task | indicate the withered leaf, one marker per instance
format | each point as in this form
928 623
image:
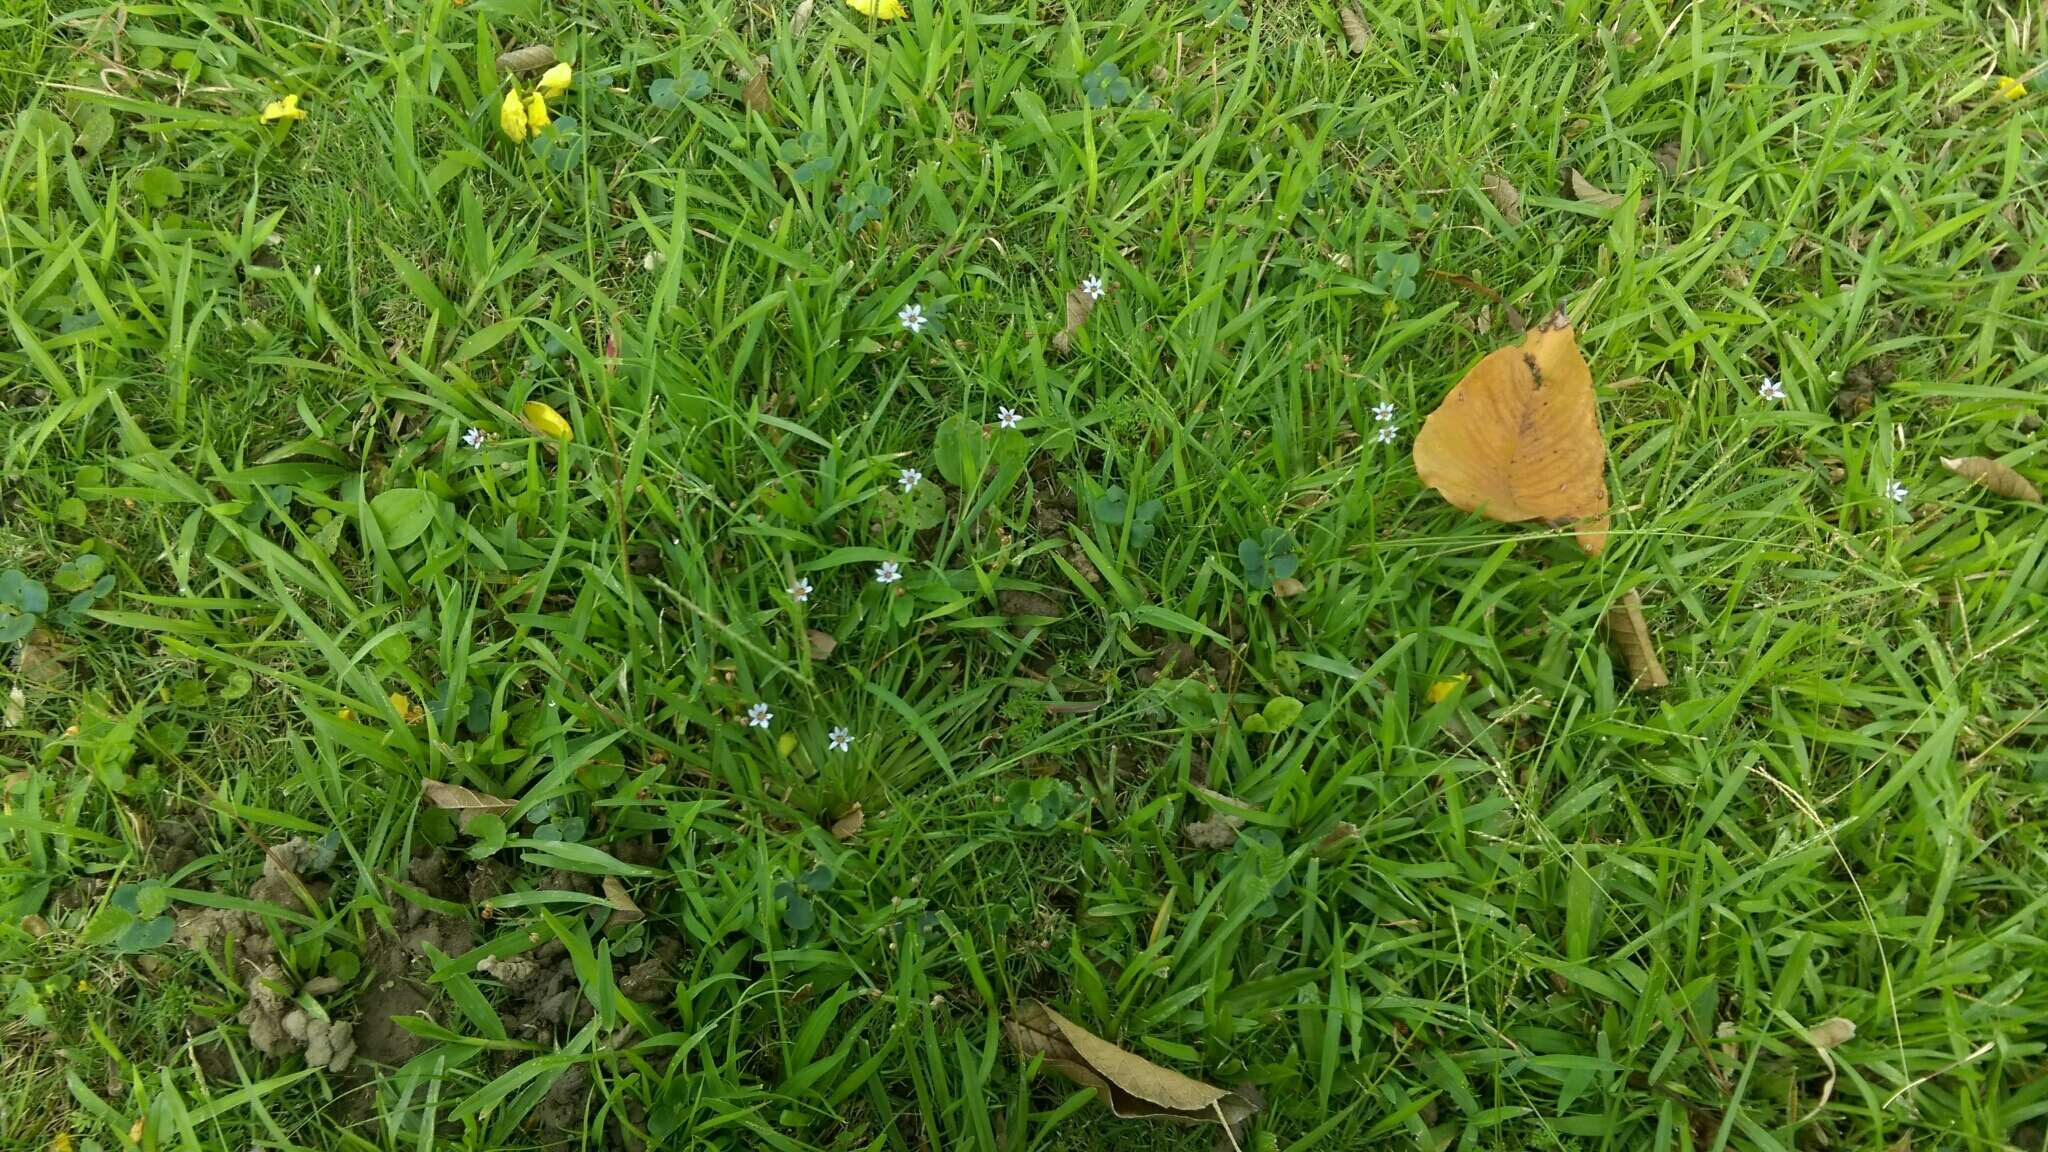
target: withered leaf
1356 34
1287 587
532 58
1631 634
1080 306
1994 477
1505 196
823 644
800 19
849 824
1129 1084
1219 829
624 911
1336 838
755 93
466 803
1587 192
1519 438
1825 1037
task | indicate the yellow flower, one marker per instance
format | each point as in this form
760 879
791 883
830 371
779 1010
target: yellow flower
512 116
546 421
2011 88
1442 689
62 1143
536 113
555 81
347 715
408 712
285 109
879 9
82 986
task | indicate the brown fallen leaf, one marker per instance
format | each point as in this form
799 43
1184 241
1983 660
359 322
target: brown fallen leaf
1287 588
1336 838
1218 830
1587 192
1519 438
1080 306
1994 477
823 644
1631 634
755 94
1129 1084
465 803
532 58
849 824
624 911
1356 34
1825 1037
1505 196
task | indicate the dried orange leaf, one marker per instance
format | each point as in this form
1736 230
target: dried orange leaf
1631 634
465 803
1519 439
1505 196
849 824
1129 1084
1990 475
532 58
1355 32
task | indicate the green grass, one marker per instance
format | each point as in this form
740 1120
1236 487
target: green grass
1569 915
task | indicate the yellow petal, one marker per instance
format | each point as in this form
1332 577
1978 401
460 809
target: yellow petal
285 109
555 81
879 9
546 421
406 709
536 113
2011 88
1442 689
512 116
347 715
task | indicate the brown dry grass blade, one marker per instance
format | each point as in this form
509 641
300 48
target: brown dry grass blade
1631 634
1505 196
466 803
1990 475
1356 34
532 58
1129 1084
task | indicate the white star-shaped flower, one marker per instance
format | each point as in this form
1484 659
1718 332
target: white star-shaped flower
912 318
888 573
842 740
800 590
1008 418
1387 434
1092 287
474 438
1771 389
1383 412
758 716
908 478
1895 491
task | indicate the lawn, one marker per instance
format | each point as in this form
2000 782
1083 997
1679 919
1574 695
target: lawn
687 629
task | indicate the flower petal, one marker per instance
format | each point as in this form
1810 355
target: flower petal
555 81
546 421
285 109
512 117
536 114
